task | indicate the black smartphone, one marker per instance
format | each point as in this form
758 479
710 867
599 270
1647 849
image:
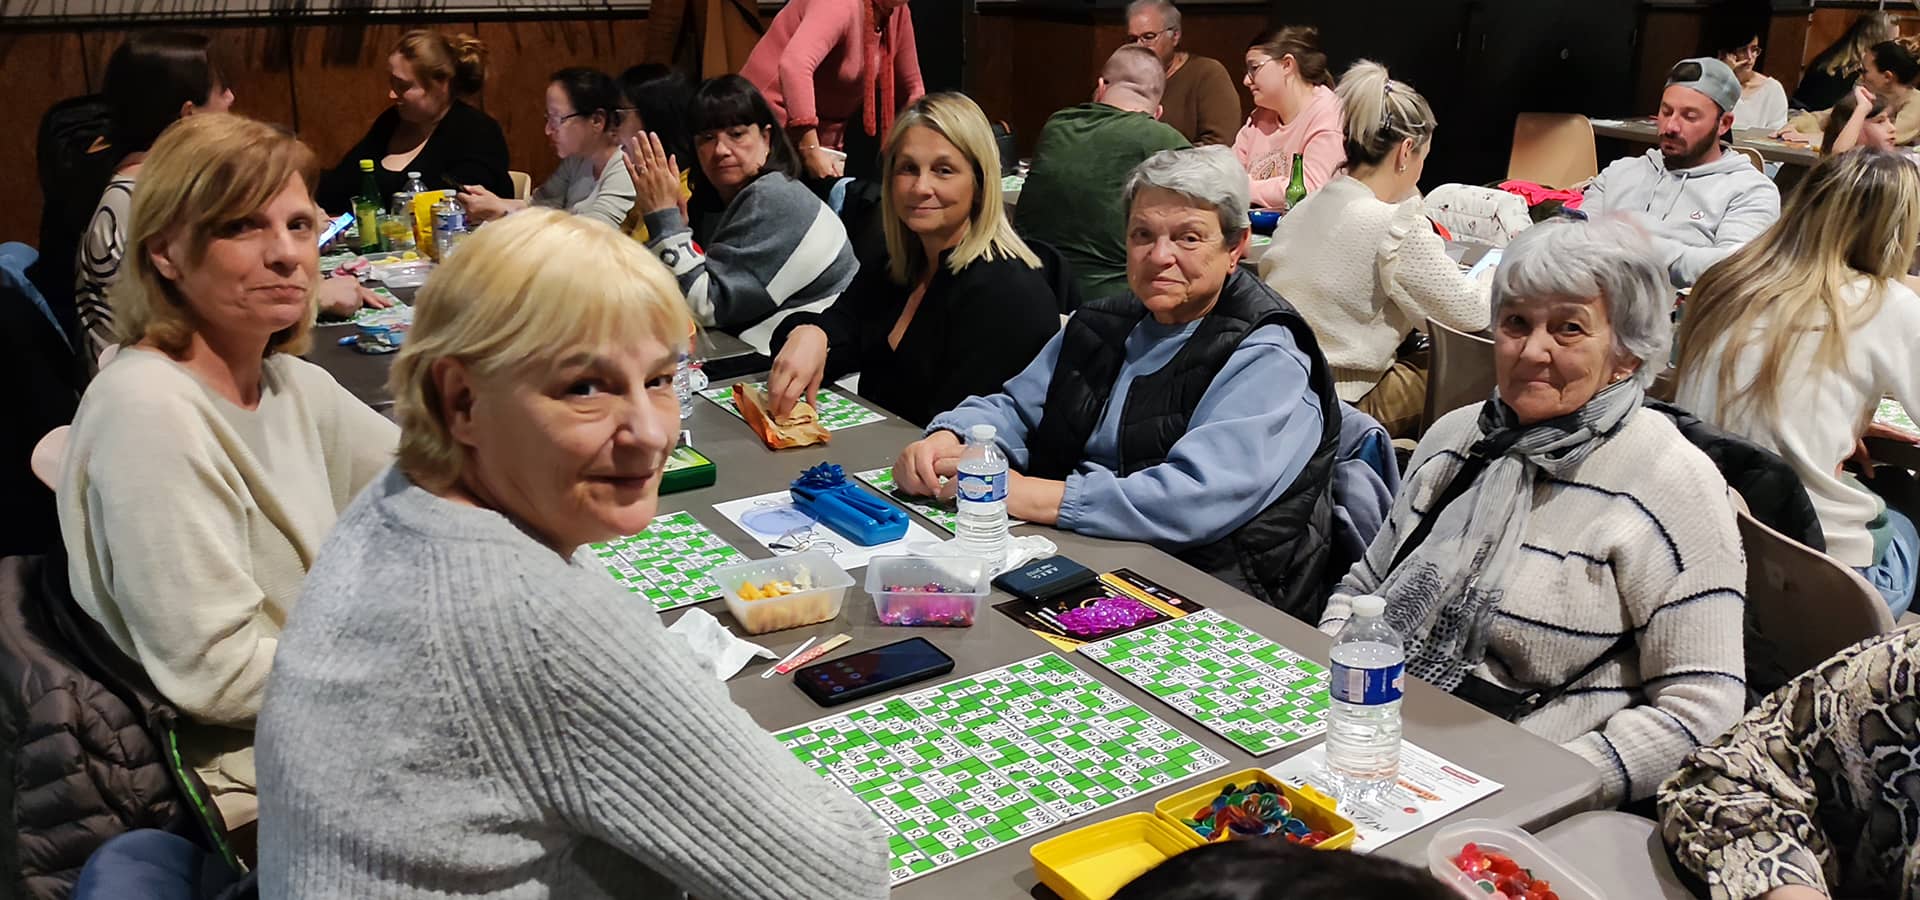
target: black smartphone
881 669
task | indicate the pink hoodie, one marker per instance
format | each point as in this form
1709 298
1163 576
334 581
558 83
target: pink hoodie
1266 147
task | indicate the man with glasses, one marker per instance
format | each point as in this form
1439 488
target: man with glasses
1200 101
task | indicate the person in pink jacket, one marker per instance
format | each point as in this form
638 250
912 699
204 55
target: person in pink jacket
1294 111
827 65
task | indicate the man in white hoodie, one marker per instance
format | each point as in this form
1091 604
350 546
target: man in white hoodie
1699 201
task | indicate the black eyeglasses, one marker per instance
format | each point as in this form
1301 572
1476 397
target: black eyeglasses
554 121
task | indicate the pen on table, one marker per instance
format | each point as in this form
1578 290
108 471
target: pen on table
789 657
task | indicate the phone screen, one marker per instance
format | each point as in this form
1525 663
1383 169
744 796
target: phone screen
1486 262
876 670
334 228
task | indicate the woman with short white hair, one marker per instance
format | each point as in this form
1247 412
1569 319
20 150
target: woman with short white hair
515 723
1193 411
1558 555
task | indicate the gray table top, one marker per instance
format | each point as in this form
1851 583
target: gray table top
1771 149
1620 853
1544 783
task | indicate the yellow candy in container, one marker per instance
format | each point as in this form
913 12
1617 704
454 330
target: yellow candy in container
783 592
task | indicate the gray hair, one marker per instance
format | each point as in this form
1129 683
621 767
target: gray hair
1608 257
1169 14
1208 176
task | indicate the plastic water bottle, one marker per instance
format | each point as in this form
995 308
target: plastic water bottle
982 497
1363 724
403 210
683 383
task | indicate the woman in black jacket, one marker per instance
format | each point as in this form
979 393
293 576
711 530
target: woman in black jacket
429 129
963 304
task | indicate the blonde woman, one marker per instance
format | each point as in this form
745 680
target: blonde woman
208 462
1361 262
1792 341
520 726
962 305
1834 70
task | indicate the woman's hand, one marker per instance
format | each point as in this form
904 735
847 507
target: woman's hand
483 205
656 176
1034 500
343 296
1792 136
798 370
1863 101
925 462
822 163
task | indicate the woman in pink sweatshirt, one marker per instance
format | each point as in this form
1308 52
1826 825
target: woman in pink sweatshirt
826 65
1294 111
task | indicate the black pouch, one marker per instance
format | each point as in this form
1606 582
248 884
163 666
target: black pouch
1515 705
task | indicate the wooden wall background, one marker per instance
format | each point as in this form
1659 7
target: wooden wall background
326 81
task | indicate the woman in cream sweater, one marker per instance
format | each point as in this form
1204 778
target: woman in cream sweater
207 462
1360 261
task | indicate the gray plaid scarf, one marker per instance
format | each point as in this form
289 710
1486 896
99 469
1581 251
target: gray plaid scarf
1443 595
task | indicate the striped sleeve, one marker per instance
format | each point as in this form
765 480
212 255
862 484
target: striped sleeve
1688 606
776 245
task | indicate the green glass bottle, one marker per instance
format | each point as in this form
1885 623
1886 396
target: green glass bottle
1297 185
366 209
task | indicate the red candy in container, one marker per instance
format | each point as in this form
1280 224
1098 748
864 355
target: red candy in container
1485 860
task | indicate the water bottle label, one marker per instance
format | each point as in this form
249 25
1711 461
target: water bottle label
1367 687
983 488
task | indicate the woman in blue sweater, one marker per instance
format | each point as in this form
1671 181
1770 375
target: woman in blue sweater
1210 433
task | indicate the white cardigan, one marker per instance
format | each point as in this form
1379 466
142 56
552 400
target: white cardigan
1364 272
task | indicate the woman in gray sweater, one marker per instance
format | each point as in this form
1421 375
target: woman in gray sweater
464 705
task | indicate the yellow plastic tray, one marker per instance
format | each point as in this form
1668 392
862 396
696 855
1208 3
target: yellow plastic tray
1309 805
1094 862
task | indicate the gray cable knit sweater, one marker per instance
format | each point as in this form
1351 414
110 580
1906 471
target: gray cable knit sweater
456 711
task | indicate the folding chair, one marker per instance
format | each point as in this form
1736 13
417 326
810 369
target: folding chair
1553 149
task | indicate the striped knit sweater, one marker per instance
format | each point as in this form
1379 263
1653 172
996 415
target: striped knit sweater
455 710
1639 538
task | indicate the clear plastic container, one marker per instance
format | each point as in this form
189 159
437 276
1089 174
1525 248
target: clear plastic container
964 582
1493 837
818 603
403 275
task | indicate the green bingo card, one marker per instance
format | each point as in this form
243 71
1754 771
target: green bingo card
963 767
1241 686
669 563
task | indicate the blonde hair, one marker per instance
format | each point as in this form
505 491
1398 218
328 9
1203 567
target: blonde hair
204 172
1849 53
1857 213
1380 113
989 231
457 60
520 296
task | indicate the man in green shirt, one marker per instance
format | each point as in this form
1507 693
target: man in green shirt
1072 199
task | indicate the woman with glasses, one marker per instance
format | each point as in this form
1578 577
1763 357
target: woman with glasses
583 126
1294 114
1734 35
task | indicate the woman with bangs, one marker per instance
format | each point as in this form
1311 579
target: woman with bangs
754 244
208 462
534 723
911 329
1793 341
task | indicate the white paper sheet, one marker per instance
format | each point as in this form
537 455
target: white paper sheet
1430 789
778 525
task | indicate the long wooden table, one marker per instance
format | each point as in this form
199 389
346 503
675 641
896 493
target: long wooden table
1544 783
1644 131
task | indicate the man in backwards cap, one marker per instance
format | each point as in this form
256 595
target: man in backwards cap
1698 200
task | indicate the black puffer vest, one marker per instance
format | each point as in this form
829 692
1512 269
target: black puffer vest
1280 555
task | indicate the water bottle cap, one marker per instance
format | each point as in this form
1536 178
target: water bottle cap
982 433
413 174
366 165
1369 606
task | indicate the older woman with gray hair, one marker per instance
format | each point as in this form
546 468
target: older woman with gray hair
1558 555
1193 412
521 725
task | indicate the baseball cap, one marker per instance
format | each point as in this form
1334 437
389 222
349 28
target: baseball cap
1709 76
